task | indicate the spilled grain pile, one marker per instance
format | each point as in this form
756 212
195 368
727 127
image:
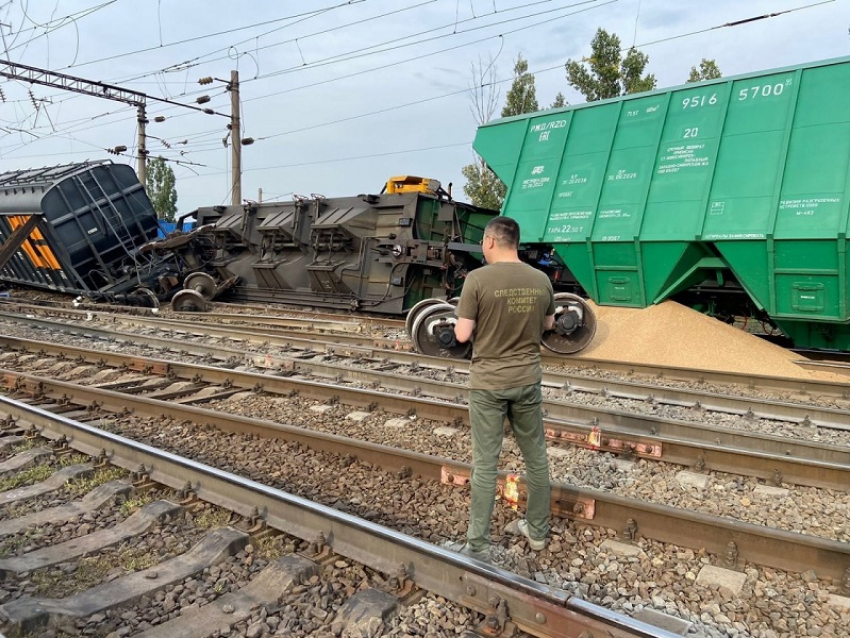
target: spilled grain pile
671 334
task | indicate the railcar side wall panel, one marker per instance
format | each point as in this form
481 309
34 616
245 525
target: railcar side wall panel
641 194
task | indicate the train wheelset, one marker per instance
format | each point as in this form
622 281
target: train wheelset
430 326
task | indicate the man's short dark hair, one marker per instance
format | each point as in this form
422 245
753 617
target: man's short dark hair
504 230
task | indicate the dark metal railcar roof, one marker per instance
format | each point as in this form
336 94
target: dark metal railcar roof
44 176
22 191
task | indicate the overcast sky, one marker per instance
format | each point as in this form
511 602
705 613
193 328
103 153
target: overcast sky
338 95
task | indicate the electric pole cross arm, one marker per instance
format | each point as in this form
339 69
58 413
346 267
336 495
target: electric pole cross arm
35 75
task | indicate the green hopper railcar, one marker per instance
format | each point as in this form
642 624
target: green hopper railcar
729 195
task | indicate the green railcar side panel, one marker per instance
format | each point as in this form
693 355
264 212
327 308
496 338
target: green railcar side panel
617 272
578 258
501 148
833 336
619 287
536 173
807 279
748 257
581 175
811 218
646 190
670 261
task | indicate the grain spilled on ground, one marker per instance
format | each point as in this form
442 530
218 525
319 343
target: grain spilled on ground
671 334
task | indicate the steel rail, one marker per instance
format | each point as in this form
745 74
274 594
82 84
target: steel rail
301 310
754 543
809 415
828 366
534 608
803 387
295 323
774 458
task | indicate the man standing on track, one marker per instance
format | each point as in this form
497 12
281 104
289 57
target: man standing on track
506 305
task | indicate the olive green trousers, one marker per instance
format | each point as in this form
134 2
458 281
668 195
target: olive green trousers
487 412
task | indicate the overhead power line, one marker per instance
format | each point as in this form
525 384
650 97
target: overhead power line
205 36
728 24
35 75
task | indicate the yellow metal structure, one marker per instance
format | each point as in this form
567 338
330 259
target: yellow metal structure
35 246
413 184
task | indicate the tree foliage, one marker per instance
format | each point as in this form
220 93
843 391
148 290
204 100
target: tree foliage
522 96
482 186
608 74
560 101
161 189
708 70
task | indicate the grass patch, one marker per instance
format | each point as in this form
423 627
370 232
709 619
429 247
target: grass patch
34 474
90 572
26 445
16 510
133 504
73 459
12 545
104 475
272 547
15 542
212 518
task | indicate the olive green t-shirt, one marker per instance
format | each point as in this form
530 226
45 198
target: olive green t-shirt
509 302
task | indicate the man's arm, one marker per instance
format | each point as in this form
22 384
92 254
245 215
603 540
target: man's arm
548 323
463 329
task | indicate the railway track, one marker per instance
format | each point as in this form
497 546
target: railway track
405 468
621 431
409 567
646 524
208 385
391 340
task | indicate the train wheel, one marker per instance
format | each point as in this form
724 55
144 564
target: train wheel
433 333
145 297
202 283
411 315
188 301
575 325
454 301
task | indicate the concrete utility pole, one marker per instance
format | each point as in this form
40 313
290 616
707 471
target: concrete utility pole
235 139
142 168
235 134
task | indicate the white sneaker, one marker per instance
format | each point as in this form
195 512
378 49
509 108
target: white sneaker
533 543
465 550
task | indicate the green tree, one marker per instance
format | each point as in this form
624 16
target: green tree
161 189
522 96
482 186
560 101
708 70
609 74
